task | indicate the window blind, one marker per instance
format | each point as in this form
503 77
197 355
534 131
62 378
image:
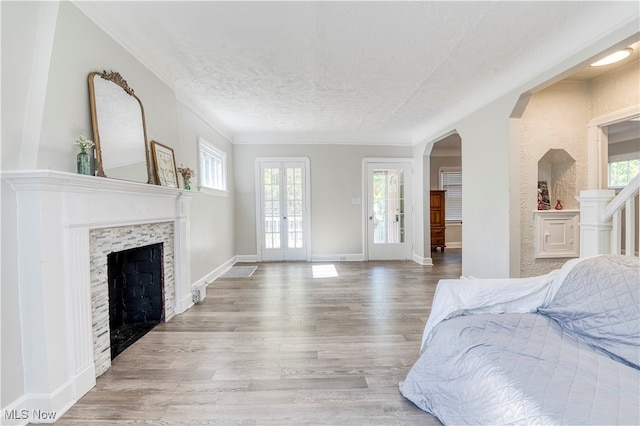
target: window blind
451 182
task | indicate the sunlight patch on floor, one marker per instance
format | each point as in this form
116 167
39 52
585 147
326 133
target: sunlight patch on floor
324 271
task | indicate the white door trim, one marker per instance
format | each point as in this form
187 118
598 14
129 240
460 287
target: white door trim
598 145
307 202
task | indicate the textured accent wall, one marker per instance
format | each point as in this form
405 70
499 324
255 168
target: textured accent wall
109 240
555 119
616 90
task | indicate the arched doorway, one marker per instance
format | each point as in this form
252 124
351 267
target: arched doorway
443 179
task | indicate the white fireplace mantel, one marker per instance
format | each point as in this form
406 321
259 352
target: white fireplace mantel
55 212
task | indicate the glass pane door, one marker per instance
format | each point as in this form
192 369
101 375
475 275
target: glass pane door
388 220
388 206
294 218
271 208
283 210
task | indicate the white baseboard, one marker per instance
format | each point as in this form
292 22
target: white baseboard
49 407
85 381
356 257
353 257
187 301
17 413
455 245
203 282
424 261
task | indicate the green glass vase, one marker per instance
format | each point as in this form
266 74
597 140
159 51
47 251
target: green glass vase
83 162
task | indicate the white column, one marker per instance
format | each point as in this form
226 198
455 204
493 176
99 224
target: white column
597 152
45 303
79 317
595 235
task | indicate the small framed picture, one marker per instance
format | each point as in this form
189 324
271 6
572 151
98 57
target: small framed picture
544 203
165 163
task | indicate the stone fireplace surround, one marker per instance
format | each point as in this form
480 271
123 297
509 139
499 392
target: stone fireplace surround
58 213
104 241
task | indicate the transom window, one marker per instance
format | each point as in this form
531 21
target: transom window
451 182
213 167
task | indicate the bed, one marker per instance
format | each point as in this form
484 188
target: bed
563 348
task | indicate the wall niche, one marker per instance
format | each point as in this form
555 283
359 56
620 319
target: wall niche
558 169
557 233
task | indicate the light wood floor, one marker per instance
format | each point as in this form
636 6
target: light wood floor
279 348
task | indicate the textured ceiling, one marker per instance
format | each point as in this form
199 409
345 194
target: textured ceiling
336 72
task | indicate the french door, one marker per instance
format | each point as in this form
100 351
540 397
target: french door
283 210
389 210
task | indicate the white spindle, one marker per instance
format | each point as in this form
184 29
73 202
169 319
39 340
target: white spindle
616 232
630 227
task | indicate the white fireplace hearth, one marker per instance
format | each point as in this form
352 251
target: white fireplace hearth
66 224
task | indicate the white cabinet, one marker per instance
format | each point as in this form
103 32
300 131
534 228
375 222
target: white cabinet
557 233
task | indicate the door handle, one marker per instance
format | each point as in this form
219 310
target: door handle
370 217
397 218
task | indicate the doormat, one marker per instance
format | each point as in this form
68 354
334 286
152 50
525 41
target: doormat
240 272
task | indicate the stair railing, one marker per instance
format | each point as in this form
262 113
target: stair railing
609 222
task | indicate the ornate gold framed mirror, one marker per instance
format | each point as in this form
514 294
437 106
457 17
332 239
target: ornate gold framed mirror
119 130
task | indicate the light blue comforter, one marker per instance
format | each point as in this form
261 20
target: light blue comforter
575 361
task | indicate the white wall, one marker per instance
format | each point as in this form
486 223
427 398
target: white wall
48 50
421 221
486 190
27 37
66 114
336 178
25 57
212 217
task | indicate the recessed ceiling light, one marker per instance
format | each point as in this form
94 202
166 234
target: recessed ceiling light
613 58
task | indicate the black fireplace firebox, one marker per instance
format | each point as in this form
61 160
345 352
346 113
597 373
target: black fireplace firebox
135 294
